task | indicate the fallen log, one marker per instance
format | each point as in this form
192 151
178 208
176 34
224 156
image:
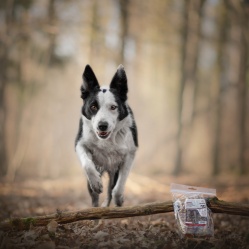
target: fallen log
216 205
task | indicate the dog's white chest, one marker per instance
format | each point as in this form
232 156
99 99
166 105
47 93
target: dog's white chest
108 157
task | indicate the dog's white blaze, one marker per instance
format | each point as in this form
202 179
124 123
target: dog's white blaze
105 114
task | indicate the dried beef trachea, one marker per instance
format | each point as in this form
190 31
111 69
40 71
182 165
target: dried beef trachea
193 217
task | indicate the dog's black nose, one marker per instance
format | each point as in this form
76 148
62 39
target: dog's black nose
103 126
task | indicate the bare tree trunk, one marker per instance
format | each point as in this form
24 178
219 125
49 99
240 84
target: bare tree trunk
3 152
221 82
124 4
52 31
4 61
195 48
184 31
19 148
93 31
243 87
191 32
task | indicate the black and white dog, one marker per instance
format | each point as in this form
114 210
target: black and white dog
107 137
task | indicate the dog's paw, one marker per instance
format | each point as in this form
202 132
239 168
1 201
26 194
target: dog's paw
96 185
94 179
118 199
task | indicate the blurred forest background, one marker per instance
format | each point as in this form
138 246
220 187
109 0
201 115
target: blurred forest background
187 66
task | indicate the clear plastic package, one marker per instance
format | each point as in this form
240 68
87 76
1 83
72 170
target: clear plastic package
193 217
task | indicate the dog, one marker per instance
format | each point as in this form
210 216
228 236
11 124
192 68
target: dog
107 137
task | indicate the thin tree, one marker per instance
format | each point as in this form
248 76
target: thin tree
4 61
184 37
195 48
243 84
191 33
93 30
221 82
3 152
123 5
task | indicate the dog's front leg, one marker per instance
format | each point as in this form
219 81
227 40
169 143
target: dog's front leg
124 171
93 176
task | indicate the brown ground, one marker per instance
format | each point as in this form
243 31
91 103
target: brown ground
36 197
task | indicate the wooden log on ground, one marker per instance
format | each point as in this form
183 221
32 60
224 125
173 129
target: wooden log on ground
219 206
214 204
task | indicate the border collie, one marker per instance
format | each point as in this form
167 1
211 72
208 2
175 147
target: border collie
107 137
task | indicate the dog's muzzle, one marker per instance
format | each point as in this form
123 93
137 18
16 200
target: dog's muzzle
102 130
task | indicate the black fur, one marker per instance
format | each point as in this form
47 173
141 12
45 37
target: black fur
119 88
122 108
80 132
133 129
90 82
91 100
89 90
119 84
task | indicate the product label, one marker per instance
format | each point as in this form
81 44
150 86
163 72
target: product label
196 212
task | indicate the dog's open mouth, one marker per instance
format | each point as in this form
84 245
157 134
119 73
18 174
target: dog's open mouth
103 134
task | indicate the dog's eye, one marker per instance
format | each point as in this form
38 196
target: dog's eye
113 107
93 107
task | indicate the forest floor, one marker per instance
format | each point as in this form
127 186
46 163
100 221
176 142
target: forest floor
38 197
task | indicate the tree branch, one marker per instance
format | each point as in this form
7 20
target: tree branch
214 204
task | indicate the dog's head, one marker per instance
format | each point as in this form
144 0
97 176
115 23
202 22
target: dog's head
104 106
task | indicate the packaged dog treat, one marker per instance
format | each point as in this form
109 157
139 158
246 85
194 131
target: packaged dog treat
193 217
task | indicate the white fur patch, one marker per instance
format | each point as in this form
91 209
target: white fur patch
105 114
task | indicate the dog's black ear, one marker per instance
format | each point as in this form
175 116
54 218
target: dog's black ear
90 82
119 83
